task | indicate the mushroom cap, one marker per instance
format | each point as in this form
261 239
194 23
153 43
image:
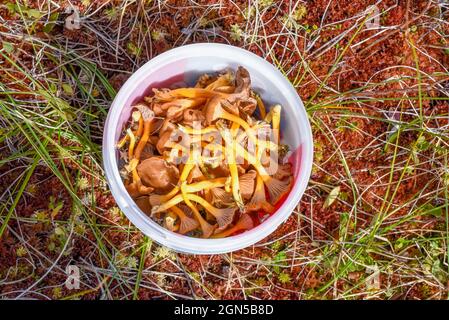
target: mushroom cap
231 107
242 85
192 116
163 139
204 80
147 152
144 204
284 170
175 113
247 182
167 125
213 109
145 111
158 173
194 174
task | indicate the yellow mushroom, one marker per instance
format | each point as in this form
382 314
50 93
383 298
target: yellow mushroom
223 216
276 188
156 199
132 143
136 116
205 185
148 116
192 93
215 111
230 158
223 80
198 131
276 120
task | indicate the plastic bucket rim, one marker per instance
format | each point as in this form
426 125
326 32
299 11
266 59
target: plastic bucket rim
183 243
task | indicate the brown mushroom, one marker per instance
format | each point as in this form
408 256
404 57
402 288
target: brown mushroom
259 199
220 198
242 94
167 125
158 173
144 204
244 223
177 107
194 117
284 170
247 182
224 216
184 214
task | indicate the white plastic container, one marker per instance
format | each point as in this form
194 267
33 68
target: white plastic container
185 64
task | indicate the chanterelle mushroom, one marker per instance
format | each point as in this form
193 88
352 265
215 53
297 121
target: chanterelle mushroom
158 173
192 117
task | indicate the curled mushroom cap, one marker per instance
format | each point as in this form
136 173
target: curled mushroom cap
242 85
158 173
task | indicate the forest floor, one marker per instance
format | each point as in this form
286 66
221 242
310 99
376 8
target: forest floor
374 220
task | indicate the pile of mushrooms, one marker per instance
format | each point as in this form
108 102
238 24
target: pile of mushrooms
193 159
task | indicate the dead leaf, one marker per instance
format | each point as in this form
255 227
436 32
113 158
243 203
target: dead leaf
333 195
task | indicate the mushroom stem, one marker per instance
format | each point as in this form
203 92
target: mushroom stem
276 122
234 128
143 141
137 133
249 131
192 93
187 224
244 223
261 107
224 216
223 80
206 227
230 157
132 143
276 188
194 131
259 200
204 185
